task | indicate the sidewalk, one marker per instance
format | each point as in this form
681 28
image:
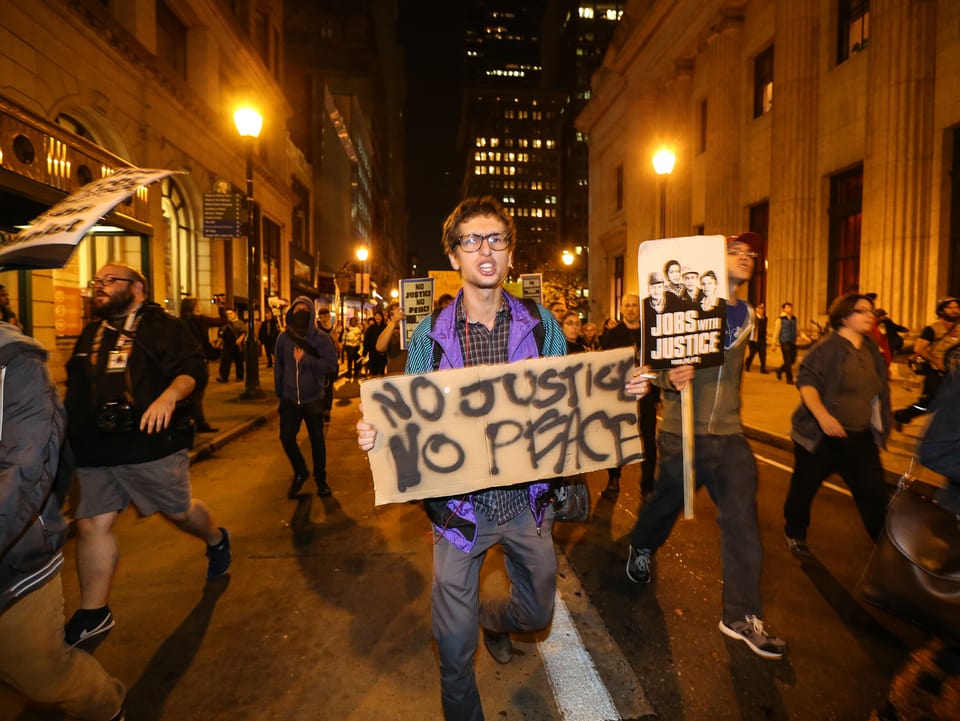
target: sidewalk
768 405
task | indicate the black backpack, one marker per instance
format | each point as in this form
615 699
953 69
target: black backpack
539 332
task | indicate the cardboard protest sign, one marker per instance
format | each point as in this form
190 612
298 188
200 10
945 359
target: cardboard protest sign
460 430
683 291
445 282
52 237
416 302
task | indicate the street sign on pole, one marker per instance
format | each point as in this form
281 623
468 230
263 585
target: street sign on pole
221 215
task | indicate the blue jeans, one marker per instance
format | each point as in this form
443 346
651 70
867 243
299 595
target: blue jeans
725 465
458 612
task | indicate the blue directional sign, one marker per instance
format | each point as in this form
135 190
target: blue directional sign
221 215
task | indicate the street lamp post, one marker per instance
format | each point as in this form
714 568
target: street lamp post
663 162
567 258
363 254
249 122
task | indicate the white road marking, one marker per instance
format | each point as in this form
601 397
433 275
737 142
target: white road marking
577 688
789 469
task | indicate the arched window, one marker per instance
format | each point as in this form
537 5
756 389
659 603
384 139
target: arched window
180 254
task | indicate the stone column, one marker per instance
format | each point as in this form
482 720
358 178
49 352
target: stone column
678 131
795 224
898 258
722 57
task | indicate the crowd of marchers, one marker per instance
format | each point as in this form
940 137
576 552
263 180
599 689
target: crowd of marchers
134 402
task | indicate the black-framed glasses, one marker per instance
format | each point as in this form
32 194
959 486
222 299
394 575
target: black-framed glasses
107 280
741 251
863 311
471 242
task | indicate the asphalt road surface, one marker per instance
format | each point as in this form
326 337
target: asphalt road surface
326 611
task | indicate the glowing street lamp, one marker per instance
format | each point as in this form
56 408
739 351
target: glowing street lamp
663 162
567 257
249 123
363 254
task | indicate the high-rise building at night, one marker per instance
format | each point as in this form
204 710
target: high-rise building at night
528 75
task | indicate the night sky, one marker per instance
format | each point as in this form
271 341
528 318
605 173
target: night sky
431 33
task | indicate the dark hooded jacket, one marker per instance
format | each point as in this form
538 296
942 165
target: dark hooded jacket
162 349
303 382
32 425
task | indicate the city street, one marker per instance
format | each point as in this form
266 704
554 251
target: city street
325 614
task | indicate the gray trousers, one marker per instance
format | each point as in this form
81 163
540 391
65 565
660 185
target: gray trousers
458 611
725 465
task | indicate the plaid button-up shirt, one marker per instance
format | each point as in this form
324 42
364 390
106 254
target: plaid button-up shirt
481 346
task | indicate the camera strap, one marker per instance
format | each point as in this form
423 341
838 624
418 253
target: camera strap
117 358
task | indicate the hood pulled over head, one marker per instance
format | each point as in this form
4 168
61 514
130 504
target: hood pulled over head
302 316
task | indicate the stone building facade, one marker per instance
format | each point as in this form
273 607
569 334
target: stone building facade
831 127
94 86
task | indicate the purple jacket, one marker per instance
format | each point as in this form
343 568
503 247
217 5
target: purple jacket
455 517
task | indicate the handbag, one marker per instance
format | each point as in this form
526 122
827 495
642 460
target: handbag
914 569
571 499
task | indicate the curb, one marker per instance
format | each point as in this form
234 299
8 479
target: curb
208 448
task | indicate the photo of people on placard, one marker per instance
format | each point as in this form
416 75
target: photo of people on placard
691 286
684 303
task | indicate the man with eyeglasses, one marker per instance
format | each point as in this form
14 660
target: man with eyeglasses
484 325
723 463
131 371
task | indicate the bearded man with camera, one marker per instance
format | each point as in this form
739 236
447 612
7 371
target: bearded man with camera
129 383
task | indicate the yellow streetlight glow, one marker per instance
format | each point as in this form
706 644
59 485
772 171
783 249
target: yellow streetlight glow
663 161
394 293
362 253
248 121
567 258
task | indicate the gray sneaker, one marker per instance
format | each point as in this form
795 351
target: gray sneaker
750 630
639 565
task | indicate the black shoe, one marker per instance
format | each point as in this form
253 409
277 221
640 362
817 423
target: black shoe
322 488
296 485
205 428
218 556
499 645
798 546
87 623
779 374
639 565
764 372
223 380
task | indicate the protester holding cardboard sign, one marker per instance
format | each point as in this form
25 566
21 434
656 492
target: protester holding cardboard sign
724 462
484 326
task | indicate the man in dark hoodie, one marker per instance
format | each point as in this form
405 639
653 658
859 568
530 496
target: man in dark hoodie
34 658
304 357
